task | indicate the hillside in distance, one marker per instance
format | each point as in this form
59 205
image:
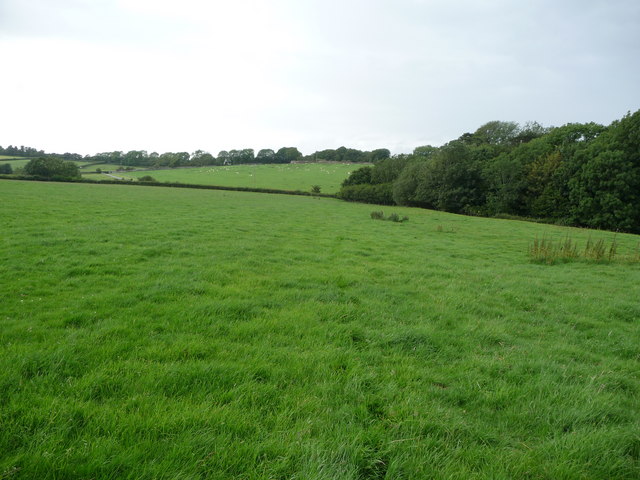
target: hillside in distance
293 177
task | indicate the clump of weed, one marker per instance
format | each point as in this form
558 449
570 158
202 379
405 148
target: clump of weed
542 251
613 249
595 250
440 228
547 251
568 249
146 178
394 217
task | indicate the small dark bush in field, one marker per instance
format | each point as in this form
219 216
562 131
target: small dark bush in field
394 217
315 189
146 178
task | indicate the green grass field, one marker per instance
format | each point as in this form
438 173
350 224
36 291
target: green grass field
283 177
154 333
14 162
102 166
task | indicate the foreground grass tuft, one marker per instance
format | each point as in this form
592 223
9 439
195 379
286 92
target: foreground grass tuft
550 252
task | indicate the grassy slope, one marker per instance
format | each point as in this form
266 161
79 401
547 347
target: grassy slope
166 333
285 177
14 161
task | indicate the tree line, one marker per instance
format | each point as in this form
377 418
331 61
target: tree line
578 174
21 151
142 158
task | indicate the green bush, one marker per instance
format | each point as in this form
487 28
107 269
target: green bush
394 217
381 194
52 168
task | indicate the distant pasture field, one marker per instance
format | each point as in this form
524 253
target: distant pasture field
173 333
102 166
280 176
14 161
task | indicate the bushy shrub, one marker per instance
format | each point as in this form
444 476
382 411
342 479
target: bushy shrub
381 194
53 168
358 177
394 217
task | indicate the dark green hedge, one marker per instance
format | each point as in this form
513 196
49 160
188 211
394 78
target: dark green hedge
381 193
167 184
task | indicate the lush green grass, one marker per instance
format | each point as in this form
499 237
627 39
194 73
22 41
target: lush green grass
168 333
282 177
14 162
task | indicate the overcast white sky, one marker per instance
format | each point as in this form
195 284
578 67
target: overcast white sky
165 75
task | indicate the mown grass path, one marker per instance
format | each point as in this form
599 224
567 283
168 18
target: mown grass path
168 333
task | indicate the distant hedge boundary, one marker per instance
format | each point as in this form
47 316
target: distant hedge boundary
274 191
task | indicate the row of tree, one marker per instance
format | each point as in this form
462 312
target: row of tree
577 174
141 158
236 157
348 155
21 151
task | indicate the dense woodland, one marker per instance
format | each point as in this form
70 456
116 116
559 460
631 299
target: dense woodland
578 174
